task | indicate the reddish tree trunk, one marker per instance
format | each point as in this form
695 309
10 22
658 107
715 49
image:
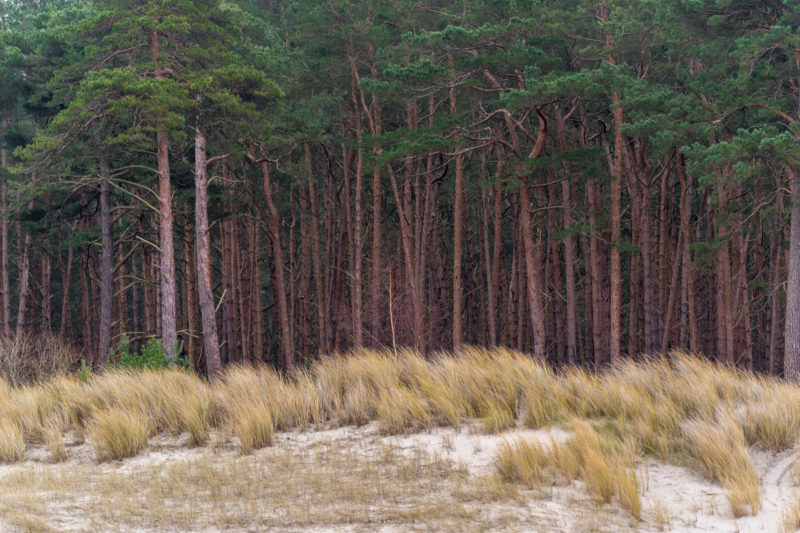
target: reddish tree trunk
203 258
106 264
6 288
791 355
169 333
287 356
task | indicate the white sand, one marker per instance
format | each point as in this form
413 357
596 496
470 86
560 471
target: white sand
692 503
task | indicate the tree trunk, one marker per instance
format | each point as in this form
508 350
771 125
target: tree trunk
136 301
534 288
106 263
45 269
497 249
357 286
203 257
24 280
570 255
616 233
287 356
6 289
791 356
191 291
167 252
66 279
322 344
86 305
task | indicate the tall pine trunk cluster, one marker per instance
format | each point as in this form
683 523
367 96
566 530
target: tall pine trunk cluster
252 189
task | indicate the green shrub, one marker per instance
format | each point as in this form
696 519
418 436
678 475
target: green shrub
152 355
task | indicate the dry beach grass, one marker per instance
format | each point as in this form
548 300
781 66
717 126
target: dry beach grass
229 469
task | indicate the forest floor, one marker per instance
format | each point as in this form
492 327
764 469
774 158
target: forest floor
360 479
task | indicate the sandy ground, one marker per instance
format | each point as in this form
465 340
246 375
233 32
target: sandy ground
674 499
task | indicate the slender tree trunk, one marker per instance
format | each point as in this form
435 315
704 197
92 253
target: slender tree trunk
570 255
458 229
497 249
226 353
595 273
688 336
258 319
169 333
24 281
121 294
775 308
86 306
4 258
287 356
66 279
136 300
405 239
724 289
535 290
791 356
316 252
615 348
357 285
45 269
649 282
673 296
191 291
203 257
5 310
106 263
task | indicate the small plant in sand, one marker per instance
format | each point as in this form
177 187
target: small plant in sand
790 517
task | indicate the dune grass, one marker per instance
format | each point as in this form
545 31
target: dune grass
605 470
673 408
118 433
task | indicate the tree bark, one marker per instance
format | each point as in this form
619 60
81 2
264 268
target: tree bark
535 291
203 257
106 263
287 356
169 332
458 230
316 252
791 355
66 279
6 289
24 281
191 292
570 255
86 306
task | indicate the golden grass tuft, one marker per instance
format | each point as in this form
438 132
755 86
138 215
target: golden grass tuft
595 469
117 433
401 410
53 438
626 487
772 420
252 425
12 443
606 470
720 450
790 516
523 461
